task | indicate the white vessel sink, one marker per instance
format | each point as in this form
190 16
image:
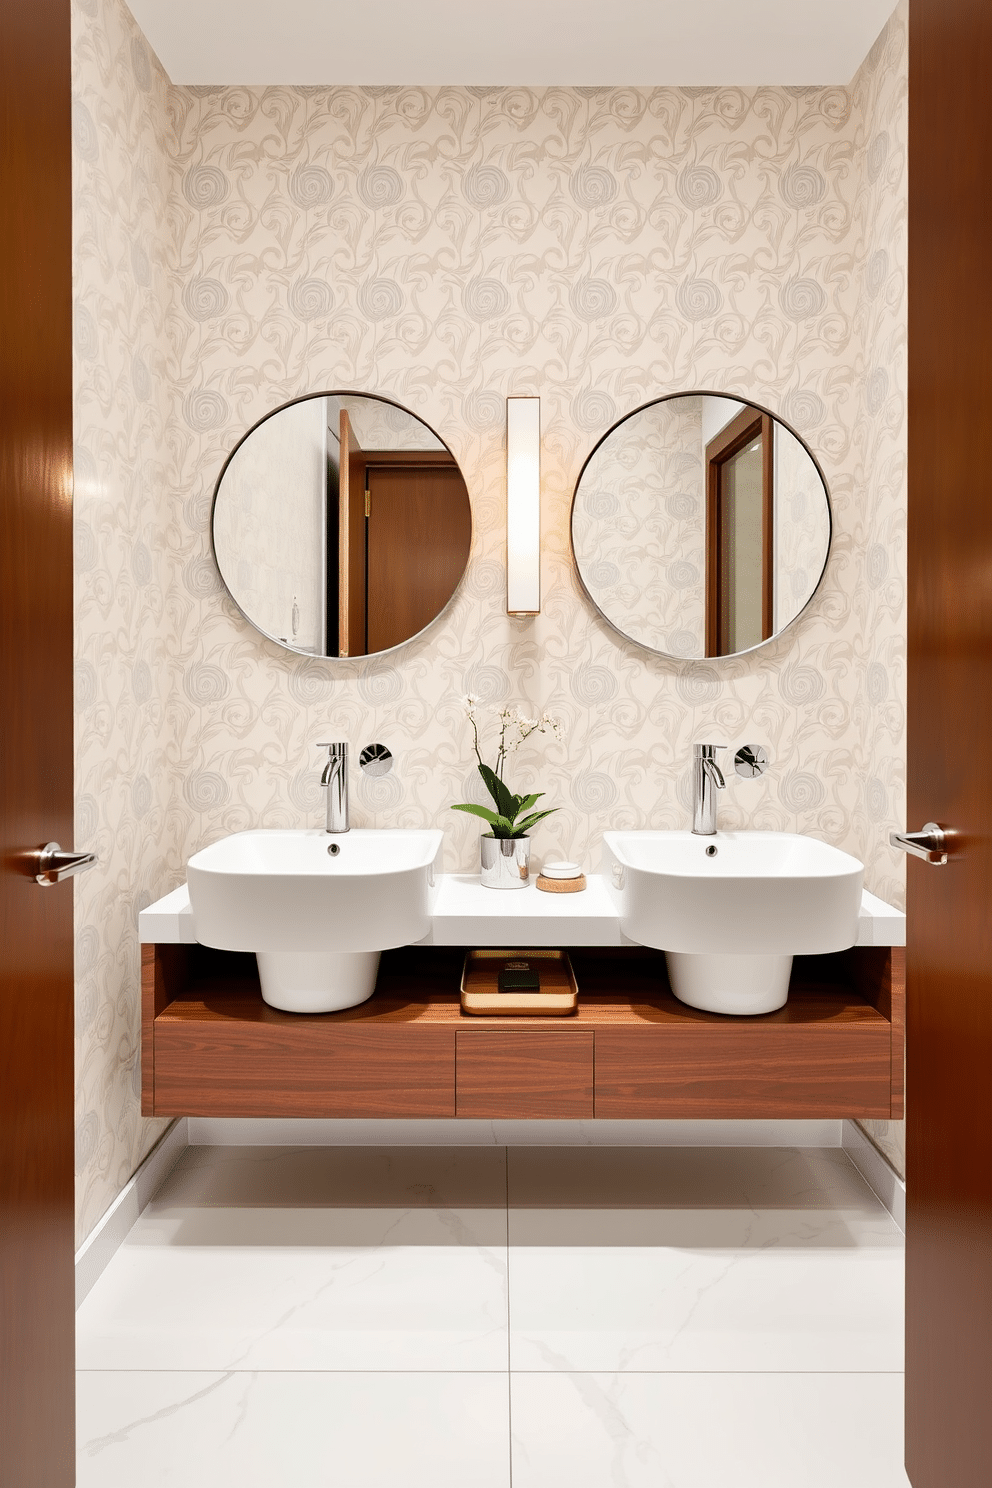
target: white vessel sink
317 909
732 910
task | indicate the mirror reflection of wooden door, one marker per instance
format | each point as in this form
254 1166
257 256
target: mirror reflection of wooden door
352 638
419 531
740 550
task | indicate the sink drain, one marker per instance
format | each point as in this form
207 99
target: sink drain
711 851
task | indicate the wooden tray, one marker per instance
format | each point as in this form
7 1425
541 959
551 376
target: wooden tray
480 985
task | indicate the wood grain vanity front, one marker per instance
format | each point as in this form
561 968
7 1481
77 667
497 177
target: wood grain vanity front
813 1058
221 1051
212 1047
207 1067
536 1074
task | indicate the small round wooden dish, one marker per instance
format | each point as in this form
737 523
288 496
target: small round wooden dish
561 885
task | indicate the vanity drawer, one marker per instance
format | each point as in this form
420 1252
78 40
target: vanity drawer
212 1047
524 1074
298 1068
708 1071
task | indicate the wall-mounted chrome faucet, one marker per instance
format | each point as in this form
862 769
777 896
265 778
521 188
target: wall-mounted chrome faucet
750 761
334 780
707 779
374 761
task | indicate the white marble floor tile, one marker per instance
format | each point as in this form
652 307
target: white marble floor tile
707 1431
292 1430
705 1259
310 1259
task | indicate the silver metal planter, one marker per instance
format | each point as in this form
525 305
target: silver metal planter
505 862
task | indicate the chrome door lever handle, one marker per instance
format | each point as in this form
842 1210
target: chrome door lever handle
931 844
53 865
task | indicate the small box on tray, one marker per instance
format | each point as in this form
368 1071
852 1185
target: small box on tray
518 983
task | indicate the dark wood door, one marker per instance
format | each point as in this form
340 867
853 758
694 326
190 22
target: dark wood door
949 955
36 993
419 531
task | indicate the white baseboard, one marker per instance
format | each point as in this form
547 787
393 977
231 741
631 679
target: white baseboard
104 1240
206 1131
879 1175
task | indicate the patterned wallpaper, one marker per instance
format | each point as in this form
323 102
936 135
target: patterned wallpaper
128 607
638 527
446 247
877 622
801 526
380 426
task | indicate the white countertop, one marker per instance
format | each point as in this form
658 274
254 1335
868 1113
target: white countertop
466 914
169 921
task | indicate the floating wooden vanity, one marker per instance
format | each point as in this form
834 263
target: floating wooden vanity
212 1047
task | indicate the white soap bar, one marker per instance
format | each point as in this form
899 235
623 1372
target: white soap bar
561 870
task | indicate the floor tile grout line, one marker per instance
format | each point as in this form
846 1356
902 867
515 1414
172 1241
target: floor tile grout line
498 1373
706 1373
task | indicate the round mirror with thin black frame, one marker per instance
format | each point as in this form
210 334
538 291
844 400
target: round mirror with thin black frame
341 525
701 526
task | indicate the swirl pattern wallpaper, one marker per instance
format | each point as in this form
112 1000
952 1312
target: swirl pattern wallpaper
446 247
639 525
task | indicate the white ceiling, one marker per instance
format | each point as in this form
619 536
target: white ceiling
640 43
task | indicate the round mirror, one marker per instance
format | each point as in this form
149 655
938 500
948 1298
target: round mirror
700 526
341 525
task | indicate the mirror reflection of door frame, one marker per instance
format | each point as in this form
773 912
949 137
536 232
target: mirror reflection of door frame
352 558
430 526
364 568
749 424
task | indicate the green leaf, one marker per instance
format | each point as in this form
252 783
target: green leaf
526 802
506 801
502 826
532 821
483 811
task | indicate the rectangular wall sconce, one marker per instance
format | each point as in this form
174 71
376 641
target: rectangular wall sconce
523 506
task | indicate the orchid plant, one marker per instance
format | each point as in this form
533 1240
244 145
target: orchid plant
514 815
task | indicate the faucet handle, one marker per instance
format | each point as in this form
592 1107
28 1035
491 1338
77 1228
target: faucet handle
338 750
707 751
751 760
